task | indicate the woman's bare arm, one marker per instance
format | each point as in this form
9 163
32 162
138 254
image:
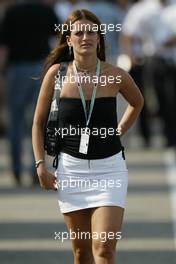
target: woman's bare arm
133 96
40 119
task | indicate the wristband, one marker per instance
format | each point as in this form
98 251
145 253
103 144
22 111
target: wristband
38 162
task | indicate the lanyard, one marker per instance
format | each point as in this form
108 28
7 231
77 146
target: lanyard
93 93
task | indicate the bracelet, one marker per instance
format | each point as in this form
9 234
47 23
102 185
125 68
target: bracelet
38 162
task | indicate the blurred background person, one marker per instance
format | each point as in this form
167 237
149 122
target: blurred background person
147 39
131 45
164 66
4 4
64 7
26 29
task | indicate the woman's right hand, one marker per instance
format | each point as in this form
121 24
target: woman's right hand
47 180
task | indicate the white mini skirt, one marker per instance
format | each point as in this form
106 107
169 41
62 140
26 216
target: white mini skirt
86 183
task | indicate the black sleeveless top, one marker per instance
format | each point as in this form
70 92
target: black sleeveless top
103 142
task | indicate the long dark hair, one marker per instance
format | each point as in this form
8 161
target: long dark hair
61 51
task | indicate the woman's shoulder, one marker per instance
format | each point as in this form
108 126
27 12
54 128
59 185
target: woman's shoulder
114 70
117 72
50 74
53 70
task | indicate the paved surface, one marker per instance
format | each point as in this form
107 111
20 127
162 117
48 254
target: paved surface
29 217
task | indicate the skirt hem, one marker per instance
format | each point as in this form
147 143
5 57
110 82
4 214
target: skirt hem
72 209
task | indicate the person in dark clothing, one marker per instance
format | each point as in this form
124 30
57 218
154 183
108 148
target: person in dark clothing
25 34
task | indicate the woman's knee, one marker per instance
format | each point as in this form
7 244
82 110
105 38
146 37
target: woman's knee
105 250
83 255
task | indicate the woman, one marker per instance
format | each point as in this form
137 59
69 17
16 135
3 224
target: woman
97 207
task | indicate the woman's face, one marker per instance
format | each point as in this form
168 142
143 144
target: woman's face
84 37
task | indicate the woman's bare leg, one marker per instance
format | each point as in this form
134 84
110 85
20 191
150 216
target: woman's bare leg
106 223
80 221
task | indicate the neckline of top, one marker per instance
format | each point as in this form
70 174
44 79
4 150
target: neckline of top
76 98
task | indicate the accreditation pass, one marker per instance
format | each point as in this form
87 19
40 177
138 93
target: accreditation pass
84 142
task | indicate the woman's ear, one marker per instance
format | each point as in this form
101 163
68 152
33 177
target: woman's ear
68 40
